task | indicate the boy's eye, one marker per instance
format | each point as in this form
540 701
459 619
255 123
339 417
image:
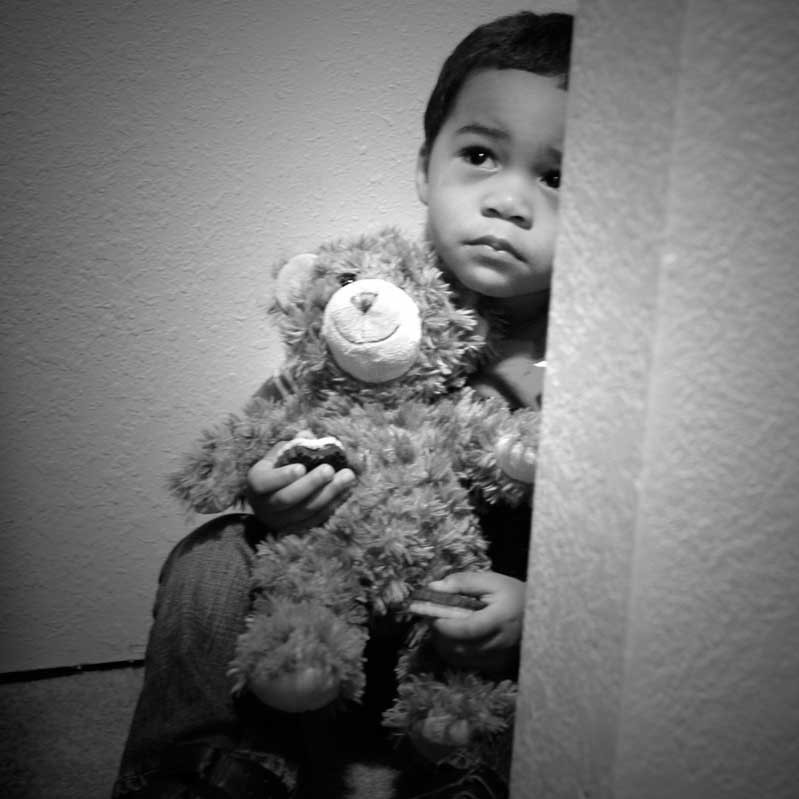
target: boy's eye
346 278
551 179
478 156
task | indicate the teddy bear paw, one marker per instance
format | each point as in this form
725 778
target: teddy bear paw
516 458
438 737
296 692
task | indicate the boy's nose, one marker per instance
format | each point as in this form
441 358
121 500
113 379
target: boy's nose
509 204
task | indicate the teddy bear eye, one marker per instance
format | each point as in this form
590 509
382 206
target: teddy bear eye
346 278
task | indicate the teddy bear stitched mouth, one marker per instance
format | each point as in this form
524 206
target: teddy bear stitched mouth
360 328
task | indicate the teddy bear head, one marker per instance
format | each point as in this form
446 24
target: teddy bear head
375 318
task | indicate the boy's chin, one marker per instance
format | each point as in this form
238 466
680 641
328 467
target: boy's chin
499 282
495 286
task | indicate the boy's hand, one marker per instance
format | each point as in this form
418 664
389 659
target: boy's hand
485 639
287 498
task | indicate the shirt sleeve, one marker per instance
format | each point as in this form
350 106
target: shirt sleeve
517 377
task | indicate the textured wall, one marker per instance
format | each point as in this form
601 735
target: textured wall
158 157
662 634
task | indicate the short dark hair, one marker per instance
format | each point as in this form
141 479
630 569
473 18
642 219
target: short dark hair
538 43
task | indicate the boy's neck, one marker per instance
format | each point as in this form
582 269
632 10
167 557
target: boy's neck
524 322
521 314
524 317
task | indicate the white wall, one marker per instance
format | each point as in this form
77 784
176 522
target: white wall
158 157
661 646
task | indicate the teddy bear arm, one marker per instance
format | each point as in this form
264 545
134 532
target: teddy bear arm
496 449
213 475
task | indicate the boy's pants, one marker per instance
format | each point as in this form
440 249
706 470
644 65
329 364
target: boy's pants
186 721
187 729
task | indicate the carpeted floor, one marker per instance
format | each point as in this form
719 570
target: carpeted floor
61 738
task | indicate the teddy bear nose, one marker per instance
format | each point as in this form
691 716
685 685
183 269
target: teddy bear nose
364 300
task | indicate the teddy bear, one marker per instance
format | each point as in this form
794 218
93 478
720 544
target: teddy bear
379 350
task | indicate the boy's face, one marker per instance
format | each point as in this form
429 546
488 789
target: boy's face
490 182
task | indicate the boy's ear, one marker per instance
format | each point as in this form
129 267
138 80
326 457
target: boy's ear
421 173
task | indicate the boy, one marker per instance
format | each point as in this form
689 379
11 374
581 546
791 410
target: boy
488 173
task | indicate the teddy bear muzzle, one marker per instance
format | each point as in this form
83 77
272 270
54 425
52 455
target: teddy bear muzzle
373 330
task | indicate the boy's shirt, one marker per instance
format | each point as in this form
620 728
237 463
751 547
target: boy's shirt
517 376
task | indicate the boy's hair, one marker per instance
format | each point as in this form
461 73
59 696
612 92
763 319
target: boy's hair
538 43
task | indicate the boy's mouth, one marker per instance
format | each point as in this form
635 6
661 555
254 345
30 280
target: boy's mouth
500 245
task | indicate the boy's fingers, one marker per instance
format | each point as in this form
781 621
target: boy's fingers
342 480
437 611
303 489
478 624
323 495
314 492
263 478
471 583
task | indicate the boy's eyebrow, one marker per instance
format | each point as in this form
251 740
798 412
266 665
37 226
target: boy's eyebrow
484 130
551 151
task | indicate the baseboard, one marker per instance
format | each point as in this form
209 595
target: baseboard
29 675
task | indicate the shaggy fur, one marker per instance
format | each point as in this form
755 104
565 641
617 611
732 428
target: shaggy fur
424 449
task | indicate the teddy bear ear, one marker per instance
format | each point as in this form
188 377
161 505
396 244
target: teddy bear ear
293 278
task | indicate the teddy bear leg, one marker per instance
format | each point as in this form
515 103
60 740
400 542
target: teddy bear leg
307 688
300 657
453 716
460 721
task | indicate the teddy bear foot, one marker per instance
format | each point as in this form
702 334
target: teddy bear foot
297 692
438 738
